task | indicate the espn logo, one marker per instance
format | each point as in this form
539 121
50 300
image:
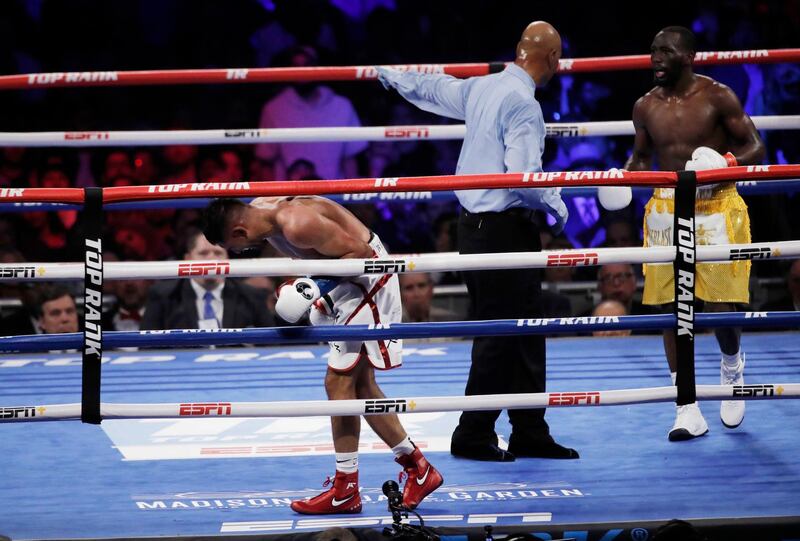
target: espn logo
204 268
18 272
86 136
573 399
384 266
16 413
205 409
410 132
242 133
385 406
738 254
753 390
565 130
572 260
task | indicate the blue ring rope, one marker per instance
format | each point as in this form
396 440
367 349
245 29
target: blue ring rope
326 333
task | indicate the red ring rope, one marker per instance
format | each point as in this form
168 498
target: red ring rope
355 73
397 184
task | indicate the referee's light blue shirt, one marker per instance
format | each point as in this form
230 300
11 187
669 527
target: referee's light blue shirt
505 128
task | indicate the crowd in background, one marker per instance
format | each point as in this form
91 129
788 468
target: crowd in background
47 35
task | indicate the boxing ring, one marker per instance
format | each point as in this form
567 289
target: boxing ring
161 467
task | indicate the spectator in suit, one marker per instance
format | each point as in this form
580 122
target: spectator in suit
207 302
127 312
56 311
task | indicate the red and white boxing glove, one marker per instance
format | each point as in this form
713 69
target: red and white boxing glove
704 158
295 297
321 312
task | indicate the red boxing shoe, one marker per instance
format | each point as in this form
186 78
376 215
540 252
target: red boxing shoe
422 478
342 498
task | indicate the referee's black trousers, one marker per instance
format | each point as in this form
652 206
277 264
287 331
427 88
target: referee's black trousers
503 364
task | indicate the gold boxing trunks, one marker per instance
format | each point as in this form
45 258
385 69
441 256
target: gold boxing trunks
720 218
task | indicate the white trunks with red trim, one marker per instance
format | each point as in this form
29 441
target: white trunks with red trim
369 299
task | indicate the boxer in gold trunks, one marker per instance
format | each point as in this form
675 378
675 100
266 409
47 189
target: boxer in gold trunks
689 121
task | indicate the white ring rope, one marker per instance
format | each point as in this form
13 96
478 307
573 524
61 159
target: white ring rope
426 404
323 134
239 268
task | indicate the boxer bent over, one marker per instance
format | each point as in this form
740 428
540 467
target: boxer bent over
317 228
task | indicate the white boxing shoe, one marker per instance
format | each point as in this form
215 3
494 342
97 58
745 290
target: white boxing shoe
731 412
689 423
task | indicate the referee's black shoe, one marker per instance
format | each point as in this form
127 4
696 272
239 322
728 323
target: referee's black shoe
485 451
540 449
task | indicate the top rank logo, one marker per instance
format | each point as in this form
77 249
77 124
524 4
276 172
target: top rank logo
369 72
73 77
731 55
12 192
198 187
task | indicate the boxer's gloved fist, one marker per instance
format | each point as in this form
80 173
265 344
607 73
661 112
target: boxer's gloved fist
295 297
321 312
707 158
614 197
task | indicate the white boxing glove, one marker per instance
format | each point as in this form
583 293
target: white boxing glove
614 197
295 297
704 158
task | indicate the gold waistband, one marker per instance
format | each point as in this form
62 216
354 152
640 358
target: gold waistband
707 191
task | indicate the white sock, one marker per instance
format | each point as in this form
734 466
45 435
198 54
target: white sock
732 361
674 376
347 462
405 447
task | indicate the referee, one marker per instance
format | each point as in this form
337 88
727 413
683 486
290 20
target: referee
505 133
